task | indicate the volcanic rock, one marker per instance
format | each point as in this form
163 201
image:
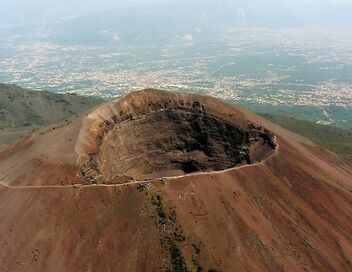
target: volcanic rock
162 181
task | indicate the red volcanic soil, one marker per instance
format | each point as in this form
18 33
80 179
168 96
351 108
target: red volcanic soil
160 181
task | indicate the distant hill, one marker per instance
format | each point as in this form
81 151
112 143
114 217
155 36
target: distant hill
335 139
164 23
22 110
20 107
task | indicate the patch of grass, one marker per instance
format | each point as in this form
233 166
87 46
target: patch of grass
335 139
170 235
177 259
195 258
161 216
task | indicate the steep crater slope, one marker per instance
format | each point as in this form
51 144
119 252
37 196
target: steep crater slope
152 134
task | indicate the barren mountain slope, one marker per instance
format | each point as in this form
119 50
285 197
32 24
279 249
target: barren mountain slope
173 181
23 110
20 107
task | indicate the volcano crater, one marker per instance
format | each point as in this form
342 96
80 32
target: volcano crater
172 136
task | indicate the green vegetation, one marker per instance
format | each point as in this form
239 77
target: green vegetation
341 116
177 259
171 235
195 258
335 139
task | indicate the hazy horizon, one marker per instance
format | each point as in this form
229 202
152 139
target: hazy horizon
41 11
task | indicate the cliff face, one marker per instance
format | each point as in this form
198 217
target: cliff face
158 180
